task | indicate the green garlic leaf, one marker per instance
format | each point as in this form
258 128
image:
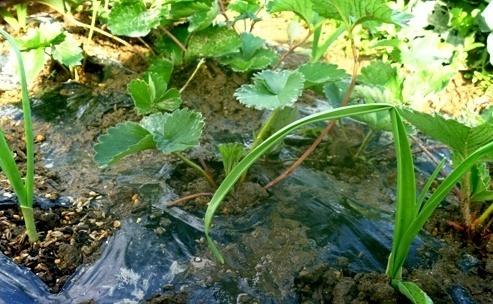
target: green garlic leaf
462 139
34 61
121 140
67 52
272 90
214 41
359 11
412 292
321 72
302 8
131 18
174 132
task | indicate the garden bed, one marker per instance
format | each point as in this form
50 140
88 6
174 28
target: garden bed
321 235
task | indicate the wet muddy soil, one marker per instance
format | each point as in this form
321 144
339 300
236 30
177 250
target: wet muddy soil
94 202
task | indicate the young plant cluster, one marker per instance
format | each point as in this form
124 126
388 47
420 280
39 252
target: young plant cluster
184 32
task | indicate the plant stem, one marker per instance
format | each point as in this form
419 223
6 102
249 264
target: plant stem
223 12
95 6
187 198
26 196
362 148
175 40
196 167
201 62
484 216
260 137
329 126
436 162
466 201
291 49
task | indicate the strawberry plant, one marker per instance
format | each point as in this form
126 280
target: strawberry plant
171 133
49 39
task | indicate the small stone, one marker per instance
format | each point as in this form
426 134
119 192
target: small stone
39 138
116 224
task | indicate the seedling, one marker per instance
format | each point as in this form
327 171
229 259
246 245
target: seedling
23 190
411 213
171 133
20 22
464 140
49 38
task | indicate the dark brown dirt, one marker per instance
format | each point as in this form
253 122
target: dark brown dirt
71 236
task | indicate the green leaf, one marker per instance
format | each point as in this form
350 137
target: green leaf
46 34
252 55
485 19
419 85
379 120
302 8
286 116
162 67
68 52
426 53
174 132
246 9
139 90
231 154
131 18
462 139
186 8
353 12
384 76
167 47
271 90
412 292
321 73
34 61
121 140
214 41
169 101
480 182
151 95
202 20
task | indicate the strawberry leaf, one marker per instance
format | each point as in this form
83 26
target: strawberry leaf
121 140
174 132
131 18
272 90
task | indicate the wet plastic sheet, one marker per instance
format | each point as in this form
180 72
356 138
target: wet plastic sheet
306 220
314 221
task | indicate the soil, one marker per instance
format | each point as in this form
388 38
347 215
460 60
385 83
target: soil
70 234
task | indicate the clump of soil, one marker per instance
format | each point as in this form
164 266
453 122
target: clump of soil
68 237
324 284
